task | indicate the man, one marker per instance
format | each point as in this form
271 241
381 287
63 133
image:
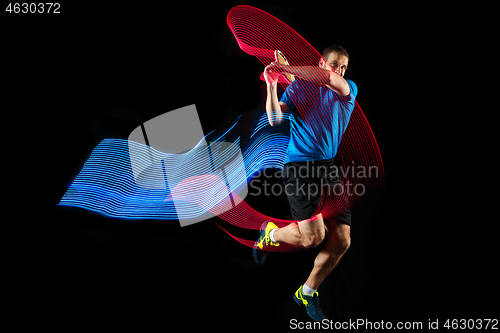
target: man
320 102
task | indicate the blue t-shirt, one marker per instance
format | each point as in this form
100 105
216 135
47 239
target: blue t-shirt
316 134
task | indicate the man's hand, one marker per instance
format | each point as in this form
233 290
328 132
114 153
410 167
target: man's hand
271 76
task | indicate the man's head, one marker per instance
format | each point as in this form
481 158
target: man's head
336 59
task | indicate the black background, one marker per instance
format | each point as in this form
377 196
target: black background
419 250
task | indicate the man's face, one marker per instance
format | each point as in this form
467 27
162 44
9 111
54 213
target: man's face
335 62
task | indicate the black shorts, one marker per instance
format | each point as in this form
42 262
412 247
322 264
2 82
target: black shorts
306 183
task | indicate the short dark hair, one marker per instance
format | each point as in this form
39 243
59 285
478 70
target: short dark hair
334 48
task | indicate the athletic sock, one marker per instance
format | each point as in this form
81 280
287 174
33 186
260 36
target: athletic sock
271 235
308 291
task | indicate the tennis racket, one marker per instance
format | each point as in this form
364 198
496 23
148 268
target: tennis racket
280 57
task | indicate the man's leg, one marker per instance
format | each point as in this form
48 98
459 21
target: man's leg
308 233
338 241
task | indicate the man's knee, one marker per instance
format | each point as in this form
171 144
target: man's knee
343 245
314 239
339 236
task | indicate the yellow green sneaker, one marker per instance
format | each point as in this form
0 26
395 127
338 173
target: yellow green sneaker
311 303
259 248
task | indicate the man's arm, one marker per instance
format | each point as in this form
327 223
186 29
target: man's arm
316 75
274 107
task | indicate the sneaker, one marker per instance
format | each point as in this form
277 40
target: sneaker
259 248
311 303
